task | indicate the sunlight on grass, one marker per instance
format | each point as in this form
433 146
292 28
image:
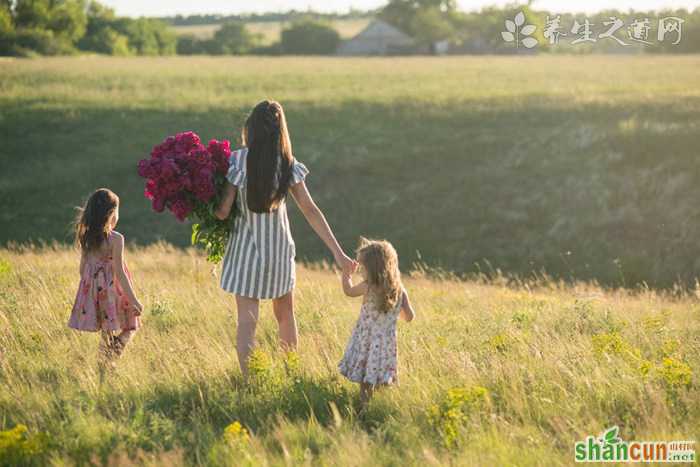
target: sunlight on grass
489 374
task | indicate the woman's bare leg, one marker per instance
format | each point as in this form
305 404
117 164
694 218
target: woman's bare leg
245 333
283 308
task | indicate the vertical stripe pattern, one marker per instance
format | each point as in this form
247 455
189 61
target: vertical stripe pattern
259 259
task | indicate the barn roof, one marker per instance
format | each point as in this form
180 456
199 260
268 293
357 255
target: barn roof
381 29
378 38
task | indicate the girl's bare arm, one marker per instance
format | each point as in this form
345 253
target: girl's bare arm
407 311
118 268
353 290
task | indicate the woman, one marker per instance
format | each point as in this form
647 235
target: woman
259 259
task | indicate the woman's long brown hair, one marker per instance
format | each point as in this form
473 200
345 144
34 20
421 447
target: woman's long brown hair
269 160
92 224
381 263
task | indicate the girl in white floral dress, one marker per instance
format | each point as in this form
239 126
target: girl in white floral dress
371 355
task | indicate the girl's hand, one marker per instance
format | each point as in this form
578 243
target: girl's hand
137 307
344 262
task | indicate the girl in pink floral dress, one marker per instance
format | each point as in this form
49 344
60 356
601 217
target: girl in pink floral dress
105 300
371 355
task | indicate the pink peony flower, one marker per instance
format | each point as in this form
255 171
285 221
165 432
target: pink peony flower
181 208
221 153
186 142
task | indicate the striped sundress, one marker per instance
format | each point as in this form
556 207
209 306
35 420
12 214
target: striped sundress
259 259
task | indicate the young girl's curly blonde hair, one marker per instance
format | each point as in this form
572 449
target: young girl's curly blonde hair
381 264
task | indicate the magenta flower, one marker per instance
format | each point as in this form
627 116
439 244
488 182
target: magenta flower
187 178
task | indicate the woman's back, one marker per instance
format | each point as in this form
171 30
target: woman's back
259 260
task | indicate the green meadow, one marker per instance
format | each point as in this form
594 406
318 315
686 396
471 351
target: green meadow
578 167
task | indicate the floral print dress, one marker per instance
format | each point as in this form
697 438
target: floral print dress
100 304
372 354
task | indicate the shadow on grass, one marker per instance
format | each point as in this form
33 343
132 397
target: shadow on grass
192 417
580 191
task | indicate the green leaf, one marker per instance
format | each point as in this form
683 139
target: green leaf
195 233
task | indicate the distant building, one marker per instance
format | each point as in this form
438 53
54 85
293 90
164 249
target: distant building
440 47
378 38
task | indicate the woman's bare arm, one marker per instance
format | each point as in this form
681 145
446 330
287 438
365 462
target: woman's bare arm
318 222
224 208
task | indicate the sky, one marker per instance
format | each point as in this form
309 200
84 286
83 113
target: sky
187 7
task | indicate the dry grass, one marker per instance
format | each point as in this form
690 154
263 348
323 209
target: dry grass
556 363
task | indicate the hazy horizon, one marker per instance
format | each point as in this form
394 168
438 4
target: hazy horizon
224 7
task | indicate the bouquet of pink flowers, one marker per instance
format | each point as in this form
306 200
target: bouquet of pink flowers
187 178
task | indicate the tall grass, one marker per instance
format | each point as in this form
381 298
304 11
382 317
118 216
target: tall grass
489 375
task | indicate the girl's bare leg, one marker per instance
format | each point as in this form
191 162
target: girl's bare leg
105 348
283 308
123 339
245 333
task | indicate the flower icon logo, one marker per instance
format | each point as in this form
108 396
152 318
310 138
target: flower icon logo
514 31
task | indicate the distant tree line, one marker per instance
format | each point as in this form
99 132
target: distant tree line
287 17
304 36
59 27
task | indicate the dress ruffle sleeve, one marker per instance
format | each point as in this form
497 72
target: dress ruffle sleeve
299 172
236 169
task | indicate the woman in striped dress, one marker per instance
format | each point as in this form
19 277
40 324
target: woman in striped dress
259 259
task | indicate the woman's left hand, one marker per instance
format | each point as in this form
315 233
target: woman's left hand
344 262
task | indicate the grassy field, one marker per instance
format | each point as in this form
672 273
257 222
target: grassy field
489 375
270 30
585 167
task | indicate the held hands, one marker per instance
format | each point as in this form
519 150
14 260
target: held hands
347 265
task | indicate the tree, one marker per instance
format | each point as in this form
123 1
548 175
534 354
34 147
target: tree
107 41
309 37
430 25
408 15
68 19
31 13
234 38
147 36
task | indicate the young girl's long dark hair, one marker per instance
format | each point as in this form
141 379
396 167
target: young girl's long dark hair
92 223
269 161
